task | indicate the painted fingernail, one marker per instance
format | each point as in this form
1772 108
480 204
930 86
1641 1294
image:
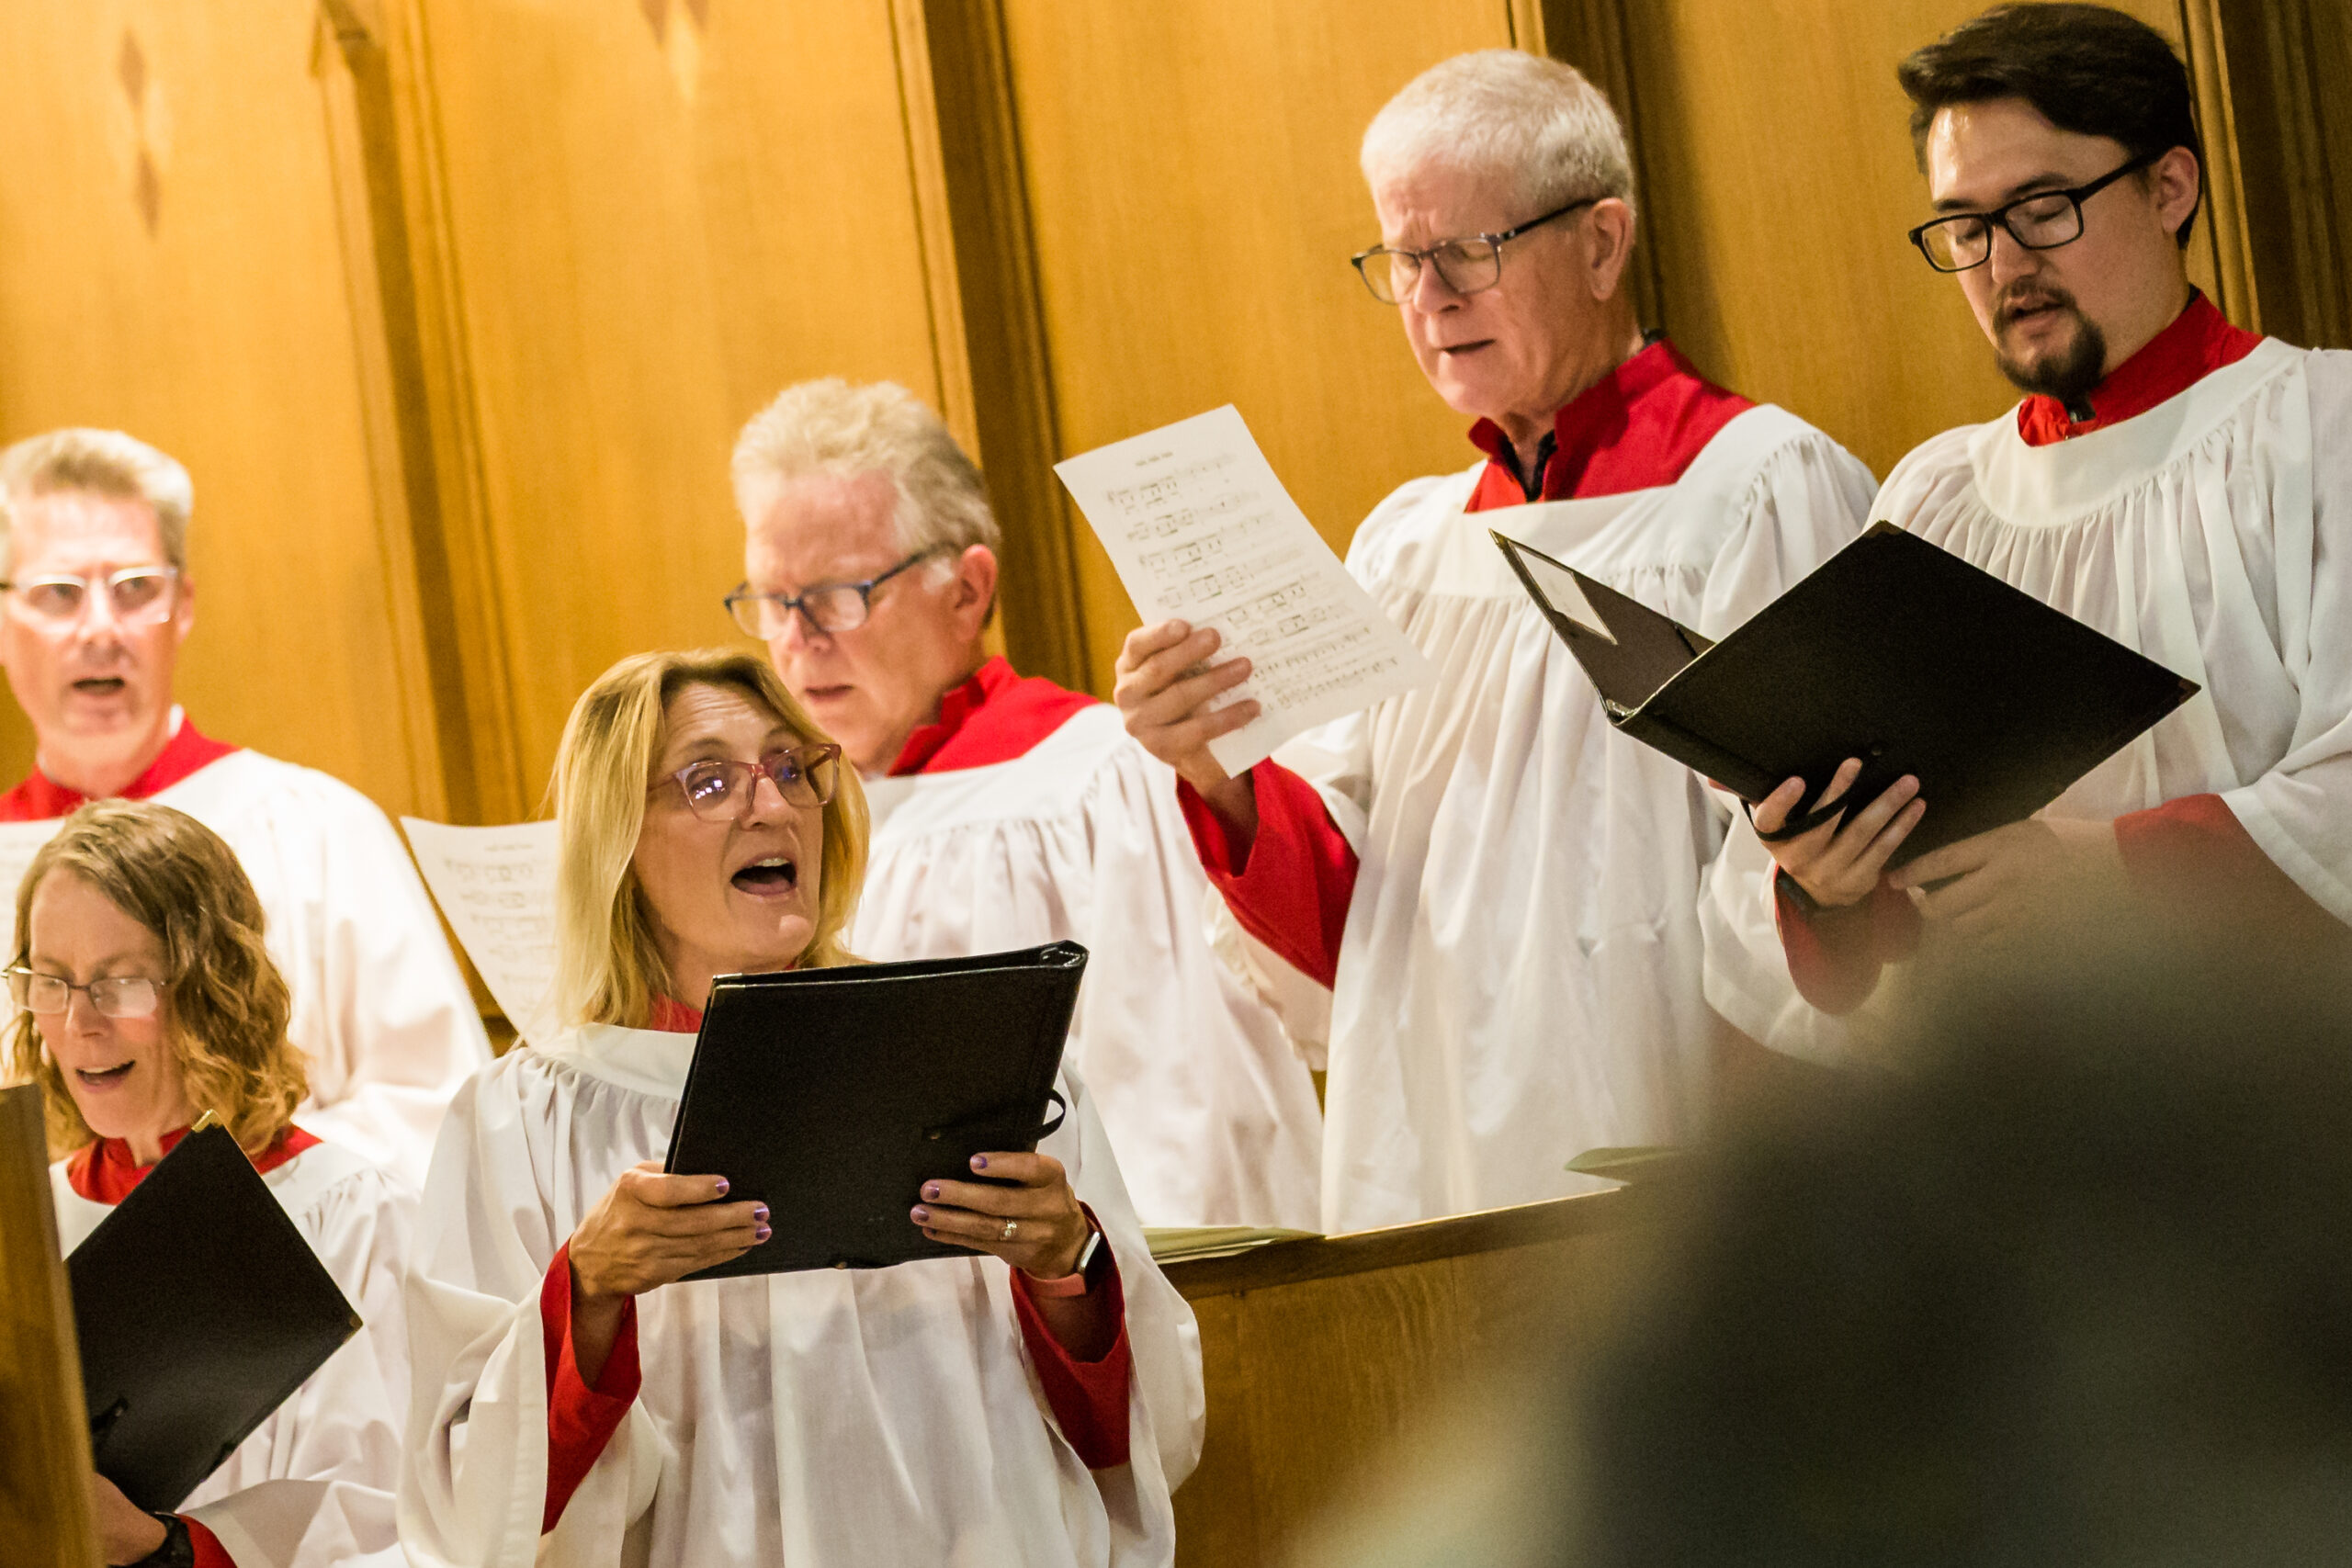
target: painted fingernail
723 1187
760 1214
931 1191
762 1234
923 1216
979 1162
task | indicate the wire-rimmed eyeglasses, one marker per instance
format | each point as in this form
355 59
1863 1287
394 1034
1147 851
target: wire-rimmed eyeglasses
136 593
2042 222
720 789
1471 265
118 996
827 607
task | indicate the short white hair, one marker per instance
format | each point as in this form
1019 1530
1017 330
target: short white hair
831 427
1503 111
98 462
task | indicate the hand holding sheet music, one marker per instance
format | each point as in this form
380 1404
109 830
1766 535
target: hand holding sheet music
1200 530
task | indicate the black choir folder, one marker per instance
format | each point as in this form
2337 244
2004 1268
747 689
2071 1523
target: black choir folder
199 1308
833 1095
1894 651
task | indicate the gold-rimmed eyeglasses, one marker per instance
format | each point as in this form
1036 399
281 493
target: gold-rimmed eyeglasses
1471 265
118 996
720 789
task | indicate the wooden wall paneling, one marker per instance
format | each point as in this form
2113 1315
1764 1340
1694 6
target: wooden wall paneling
1190 176
650 217
44 1428
2288 74
172 263
965 81
1780 182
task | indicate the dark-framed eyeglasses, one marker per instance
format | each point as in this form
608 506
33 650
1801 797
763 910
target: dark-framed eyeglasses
2042 222
720 789
118 996
137 594
828 607
1471 265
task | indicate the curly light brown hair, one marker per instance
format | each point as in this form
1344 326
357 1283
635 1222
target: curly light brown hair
225 1005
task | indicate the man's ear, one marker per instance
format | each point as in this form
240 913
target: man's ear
976 586
2176 181
1609 244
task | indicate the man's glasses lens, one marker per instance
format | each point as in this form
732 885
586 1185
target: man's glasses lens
133 596
127 995
1464 266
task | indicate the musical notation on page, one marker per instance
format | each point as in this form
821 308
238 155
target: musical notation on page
1200 530
496 888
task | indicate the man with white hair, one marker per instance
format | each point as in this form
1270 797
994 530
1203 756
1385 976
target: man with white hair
1009 812
1501 890
98 602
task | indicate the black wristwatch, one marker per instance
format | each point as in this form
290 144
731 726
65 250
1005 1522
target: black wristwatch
178 1550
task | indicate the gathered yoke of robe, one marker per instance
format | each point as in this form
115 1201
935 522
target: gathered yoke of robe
1501 890
2202 515
381 1011
313 1486
843 1416
1025 814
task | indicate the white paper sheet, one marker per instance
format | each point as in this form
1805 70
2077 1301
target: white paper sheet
497 887
1200 530
19 841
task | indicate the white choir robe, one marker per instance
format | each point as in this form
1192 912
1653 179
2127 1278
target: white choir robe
1519 979
840 1418
2212 534
312 1487
1210 1108
381 1011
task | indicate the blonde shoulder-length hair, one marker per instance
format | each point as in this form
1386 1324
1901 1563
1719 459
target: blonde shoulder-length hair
225 1005
608 969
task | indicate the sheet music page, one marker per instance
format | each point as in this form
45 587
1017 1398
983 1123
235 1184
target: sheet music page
496 886
1201 529
19 841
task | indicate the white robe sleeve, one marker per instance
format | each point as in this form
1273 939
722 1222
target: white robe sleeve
1810 501
380 1007
313 1487
2299 811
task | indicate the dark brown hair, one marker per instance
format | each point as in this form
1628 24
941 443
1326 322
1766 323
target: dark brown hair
2088 69
225 1005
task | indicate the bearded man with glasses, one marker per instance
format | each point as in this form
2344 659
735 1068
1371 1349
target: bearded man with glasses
1500 892
1009 812
96 600
2177 484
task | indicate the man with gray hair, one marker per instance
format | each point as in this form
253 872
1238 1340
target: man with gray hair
1502 892
97 602
1009 812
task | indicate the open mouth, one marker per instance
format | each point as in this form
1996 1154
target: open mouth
99 685
106 1078
776 874
1459 349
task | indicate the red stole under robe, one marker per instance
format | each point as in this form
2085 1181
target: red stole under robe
40 797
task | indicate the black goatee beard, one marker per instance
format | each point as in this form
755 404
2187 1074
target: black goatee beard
2067 375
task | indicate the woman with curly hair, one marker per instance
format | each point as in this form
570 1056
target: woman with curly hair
145 998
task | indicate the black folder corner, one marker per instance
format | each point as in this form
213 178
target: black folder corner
833 1095
1895 651
199 1308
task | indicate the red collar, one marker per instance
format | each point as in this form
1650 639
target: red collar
672 1016
993 718
40 797
1636 428
2199 342
104 1172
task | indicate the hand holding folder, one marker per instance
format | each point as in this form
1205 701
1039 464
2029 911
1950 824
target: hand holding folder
834 1095
1894 652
